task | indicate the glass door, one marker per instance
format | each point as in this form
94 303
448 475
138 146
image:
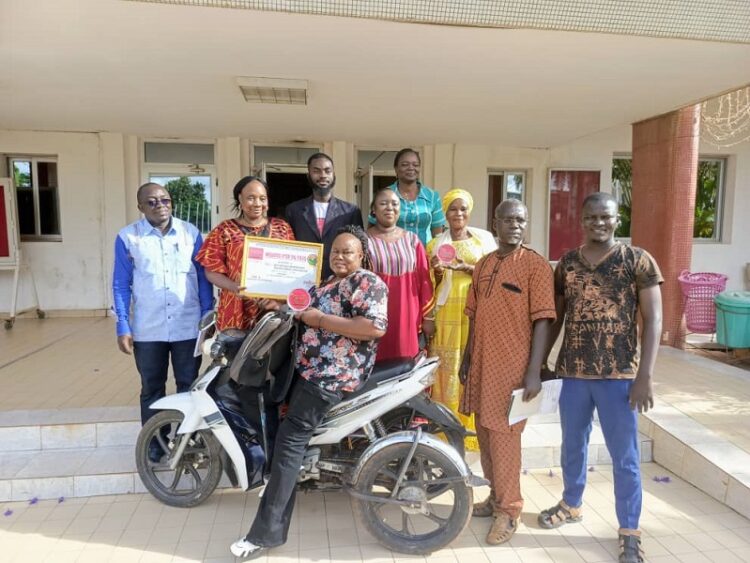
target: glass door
191 193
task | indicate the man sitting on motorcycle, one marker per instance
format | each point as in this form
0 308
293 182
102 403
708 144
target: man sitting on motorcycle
335 353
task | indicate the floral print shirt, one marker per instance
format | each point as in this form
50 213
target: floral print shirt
333 361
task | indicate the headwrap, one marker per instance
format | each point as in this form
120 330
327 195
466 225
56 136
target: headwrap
457 193
486 239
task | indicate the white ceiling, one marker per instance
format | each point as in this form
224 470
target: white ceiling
165 70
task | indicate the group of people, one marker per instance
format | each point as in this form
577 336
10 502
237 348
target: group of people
491 313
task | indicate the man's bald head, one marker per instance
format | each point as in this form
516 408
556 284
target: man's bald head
143 188
511 217
510 205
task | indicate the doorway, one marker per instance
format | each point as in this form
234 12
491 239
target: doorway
503 185
285 188
191 196
374 171
567 190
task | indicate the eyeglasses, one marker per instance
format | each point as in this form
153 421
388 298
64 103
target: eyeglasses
154 203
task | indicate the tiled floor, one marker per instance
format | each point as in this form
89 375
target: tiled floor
714 394
680 524
65 363
74 362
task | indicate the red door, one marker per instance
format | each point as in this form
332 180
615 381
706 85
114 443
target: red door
567 190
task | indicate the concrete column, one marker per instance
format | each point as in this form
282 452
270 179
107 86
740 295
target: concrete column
665 167
344 185
229 166
132 157
443 178
113 203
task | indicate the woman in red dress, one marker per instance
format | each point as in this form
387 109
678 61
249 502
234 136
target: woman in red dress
221 253
400 260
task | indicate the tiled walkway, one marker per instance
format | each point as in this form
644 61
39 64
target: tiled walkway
73 363
680 524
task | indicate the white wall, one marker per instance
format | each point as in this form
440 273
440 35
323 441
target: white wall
728 256
99 175
731 255
473 163
69 274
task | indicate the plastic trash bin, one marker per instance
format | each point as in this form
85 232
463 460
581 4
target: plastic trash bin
733 319
698 292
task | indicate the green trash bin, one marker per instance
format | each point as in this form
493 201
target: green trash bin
733 318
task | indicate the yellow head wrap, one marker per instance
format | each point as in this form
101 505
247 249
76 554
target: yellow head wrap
455 194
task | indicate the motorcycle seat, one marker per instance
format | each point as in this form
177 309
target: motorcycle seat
383 371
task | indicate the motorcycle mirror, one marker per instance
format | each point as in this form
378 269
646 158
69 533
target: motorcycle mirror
207 320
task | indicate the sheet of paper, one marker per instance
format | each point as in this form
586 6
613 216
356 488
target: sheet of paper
544 403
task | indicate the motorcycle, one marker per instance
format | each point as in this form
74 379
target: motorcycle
412 490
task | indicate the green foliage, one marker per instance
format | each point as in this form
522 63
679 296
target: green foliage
189 202
21 178
622 180
706 198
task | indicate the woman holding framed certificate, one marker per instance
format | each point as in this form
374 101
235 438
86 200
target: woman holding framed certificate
221 254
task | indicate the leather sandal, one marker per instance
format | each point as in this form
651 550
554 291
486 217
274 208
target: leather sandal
630 549
484 509
502 529
559 515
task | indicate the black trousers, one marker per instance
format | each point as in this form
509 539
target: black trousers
152 361
307 408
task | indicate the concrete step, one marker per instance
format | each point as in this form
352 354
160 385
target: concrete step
89 452
58 429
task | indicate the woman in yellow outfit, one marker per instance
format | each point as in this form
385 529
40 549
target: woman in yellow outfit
452 281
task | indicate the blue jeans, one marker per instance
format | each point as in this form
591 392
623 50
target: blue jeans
152 361
619 425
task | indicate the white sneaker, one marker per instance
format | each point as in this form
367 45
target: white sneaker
244 548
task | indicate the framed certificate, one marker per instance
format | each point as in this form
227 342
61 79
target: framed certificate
273 268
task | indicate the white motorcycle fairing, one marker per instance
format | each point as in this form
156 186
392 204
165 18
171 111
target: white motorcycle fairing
200 413
352 414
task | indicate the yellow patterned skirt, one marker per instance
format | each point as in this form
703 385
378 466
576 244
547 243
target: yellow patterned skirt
451 333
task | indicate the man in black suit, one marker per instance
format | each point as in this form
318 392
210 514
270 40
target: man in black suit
317 218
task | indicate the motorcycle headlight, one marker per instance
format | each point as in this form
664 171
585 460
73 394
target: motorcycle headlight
207 346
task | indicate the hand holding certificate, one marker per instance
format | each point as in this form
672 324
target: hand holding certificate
273 268
544 403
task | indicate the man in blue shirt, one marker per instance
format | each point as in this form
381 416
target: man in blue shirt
155 269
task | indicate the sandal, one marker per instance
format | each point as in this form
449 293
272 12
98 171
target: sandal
630 549
484 509
558 515
502 529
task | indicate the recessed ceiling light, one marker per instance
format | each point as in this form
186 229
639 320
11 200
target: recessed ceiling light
273 90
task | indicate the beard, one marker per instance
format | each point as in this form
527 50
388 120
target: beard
321 192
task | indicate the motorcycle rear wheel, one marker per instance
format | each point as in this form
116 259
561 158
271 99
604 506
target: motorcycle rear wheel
446 509
197 473
401 418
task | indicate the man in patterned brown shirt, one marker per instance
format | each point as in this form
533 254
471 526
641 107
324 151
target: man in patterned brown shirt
510 306
600 288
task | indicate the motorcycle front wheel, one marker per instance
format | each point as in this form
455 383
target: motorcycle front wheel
436 513
198 471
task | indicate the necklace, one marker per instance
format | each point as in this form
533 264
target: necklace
410 198
261 223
